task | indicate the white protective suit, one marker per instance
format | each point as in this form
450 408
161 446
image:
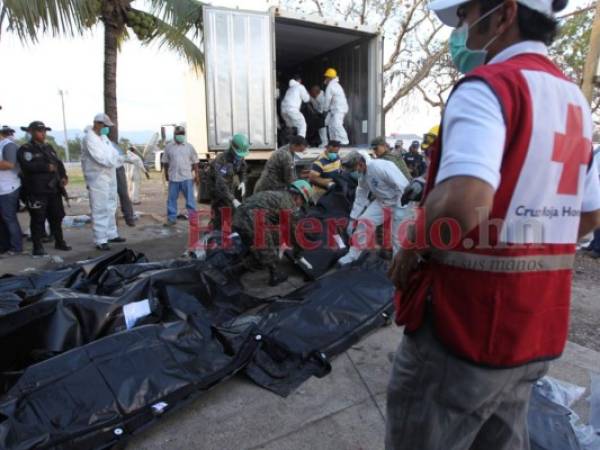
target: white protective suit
318 104
336 105
386 183
290 107
134 168
99 161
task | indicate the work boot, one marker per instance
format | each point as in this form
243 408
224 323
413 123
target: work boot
62 245
130 223
38 250
276 277
117 240
104 247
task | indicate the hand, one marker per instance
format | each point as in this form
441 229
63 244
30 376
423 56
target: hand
405 263
305 174
64 182
236 203
330 186
51 168
350 227
242 188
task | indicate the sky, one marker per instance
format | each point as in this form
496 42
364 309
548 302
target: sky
150 84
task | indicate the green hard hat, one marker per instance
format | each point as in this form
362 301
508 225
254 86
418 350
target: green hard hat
302 187
240 145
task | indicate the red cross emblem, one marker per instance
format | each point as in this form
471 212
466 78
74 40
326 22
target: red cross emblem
572 149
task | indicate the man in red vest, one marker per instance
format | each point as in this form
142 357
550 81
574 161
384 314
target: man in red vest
484 280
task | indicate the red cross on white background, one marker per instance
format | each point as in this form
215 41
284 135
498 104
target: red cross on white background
572 149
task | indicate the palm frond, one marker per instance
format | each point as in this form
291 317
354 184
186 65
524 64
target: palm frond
176 39
180 14
31 18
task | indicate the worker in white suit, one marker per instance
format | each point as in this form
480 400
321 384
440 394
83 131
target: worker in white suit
317 101
291 104
99 161
381 181
134 168
336 106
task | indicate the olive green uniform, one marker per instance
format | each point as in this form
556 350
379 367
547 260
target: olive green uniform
279 171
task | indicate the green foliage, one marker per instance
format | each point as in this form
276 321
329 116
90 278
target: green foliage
75 148
570 48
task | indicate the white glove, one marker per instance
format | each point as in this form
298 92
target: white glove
236 203
350 227
242 189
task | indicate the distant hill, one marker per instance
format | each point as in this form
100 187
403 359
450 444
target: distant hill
136 137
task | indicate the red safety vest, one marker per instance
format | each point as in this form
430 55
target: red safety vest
507 303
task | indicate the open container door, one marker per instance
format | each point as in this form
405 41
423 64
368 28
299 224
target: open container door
240 94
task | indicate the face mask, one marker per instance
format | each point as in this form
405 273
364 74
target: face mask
355 175
463 57
180 138
104 131
332 156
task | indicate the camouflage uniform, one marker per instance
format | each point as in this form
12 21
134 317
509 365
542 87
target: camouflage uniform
222 174
399 161
272 203
279 171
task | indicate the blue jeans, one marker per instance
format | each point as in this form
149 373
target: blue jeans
175 187
10 231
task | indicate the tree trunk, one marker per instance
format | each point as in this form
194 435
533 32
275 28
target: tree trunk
110 78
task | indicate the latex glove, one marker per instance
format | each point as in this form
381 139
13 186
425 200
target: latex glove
242 189
236 203
350 227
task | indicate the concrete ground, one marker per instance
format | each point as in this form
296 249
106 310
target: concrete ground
345 410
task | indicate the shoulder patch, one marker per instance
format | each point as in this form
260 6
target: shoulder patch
28 156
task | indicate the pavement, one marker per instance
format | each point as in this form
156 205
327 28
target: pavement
345 410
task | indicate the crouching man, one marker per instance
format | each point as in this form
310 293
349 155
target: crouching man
259 219
380 187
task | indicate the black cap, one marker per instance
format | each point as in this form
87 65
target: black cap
334 144
6 130
417 143
36 125
378 141
179 130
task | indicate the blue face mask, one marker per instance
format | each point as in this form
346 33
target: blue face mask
355 175
332 156
179 138
104 131
463 57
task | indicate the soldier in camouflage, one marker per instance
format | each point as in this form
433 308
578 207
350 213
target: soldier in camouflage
382 151
280 171
227 174
271 204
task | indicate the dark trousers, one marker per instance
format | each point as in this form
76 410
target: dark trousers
124 199
46 207
595 244
218 215
10 230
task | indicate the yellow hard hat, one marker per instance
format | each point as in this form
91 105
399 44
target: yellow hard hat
435 131
430 137
331 73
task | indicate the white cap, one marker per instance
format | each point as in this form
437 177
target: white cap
103 118
446 10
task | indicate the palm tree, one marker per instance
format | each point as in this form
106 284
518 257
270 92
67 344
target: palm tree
172 23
